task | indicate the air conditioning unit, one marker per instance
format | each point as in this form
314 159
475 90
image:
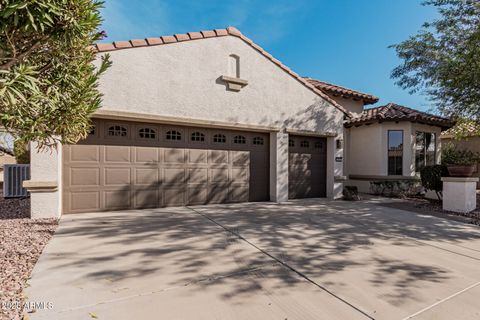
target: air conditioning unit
13 177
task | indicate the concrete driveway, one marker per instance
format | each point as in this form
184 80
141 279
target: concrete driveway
311 259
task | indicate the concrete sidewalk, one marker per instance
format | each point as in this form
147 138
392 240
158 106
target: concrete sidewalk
310 259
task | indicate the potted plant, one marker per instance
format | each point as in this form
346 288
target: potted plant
460 163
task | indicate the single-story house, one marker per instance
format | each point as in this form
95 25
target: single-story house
202 117
470 132
211 117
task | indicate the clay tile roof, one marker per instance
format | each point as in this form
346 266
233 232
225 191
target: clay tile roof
138 42
168 39
230 31
195 35
122 44
208 33
182 37
154 41
395 112
464 129
335 90
221 32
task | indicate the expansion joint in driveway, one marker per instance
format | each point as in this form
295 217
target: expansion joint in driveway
282 263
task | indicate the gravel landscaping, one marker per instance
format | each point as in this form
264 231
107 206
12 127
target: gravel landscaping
434 207
22 242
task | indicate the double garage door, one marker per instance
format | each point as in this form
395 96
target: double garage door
129 165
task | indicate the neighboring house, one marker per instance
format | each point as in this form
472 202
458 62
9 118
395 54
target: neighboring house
470 132
203 117
6 157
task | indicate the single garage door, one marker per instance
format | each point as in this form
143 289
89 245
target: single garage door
128 165
307 167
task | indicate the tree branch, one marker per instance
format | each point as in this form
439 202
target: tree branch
21 56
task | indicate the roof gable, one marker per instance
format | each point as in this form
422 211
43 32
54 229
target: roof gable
230 31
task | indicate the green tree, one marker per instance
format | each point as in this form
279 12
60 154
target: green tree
48 84
443 59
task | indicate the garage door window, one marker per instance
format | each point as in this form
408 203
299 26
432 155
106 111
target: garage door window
239 140
258 141
117 131
291 143
318 145
147 133
198 136
304 144
219 138
173 135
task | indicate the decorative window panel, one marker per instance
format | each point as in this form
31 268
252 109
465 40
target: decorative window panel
219 138
239 140
258 141
173 135
147 133
197 136
117 131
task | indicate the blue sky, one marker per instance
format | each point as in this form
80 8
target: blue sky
340 41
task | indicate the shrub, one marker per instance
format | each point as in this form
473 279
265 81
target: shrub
21 152
350 193
452 155
393 188
431 177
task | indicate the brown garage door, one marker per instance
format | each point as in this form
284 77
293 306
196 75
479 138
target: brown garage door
307 167
127 165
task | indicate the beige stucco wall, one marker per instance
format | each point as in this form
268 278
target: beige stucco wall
364 155
367 148
182 80
354 106
46 167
